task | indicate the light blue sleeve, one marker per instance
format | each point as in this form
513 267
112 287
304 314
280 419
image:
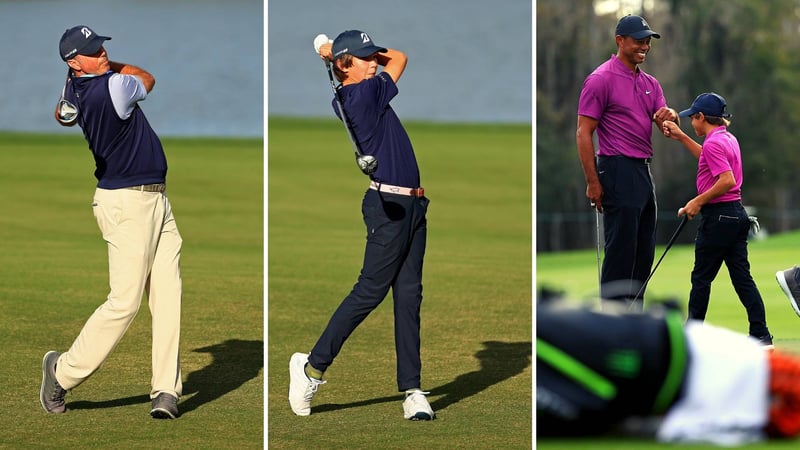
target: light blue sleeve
125 91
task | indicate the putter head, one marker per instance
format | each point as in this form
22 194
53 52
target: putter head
367 163
67 112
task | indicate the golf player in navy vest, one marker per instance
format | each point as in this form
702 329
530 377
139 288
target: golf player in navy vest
134 216
394 208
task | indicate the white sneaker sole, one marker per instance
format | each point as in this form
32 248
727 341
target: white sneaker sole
785 288
420 416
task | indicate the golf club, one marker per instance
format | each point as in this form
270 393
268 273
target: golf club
684 219
67 112
367 163
597 239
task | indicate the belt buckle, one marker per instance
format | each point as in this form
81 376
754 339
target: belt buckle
418 192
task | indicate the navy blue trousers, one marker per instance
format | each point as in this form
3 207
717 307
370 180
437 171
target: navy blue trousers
396 235
629 222
722 237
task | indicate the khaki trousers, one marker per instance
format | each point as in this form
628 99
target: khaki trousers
144 248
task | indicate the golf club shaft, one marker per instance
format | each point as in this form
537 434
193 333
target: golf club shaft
597 239
345 119
684 219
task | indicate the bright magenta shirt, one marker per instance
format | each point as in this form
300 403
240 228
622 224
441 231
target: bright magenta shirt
623 102
720 154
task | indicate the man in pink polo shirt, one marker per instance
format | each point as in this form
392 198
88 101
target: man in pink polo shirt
722 234
621 102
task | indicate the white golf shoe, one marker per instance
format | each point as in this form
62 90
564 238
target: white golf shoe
416 406
301 387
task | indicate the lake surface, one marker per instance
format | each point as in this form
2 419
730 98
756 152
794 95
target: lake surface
469 60
207 57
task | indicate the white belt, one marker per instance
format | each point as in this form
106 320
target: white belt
388 188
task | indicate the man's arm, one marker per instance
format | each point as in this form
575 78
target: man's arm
663 114
393 62
583 138
128 69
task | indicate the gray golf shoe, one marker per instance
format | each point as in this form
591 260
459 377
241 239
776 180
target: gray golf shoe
788 281
165 406
51 394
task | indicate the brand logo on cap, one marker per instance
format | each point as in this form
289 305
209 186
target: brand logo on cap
86 32
364 38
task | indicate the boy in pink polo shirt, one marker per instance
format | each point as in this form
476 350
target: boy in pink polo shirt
722 234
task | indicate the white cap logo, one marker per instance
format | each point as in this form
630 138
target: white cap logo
86 32
364 38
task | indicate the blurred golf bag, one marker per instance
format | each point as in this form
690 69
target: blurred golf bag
596 369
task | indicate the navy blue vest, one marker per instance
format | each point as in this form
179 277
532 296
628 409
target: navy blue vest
126 152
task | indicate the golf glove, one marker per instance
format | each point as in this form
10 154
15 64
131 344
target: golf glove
754 226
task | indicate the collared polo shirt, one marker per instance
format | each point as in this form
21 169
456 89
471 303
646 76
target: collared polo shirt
623 102
720 154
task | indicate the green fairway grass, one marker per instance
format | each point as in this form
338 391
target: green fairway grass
55 273
476 313
575 273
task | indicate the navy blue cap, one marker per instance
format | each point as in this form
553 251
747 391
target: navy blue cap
710 104
80 40
356 43
635 27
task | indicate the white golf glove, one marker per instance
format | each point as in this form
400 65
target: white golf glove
321 39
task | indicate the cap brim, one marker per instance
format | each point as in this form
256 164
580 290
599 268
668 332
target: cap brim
645 33
366 51
92 47
686 112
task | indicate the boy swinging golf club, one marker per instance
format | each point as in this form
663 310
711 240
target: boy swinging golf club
367 163
394 208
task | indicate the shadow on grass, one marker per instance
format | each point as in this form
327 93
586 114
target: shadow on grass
234 362
499 361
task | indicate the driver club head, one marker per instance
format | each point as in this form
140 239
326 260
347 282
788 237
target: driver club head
367 163
67 112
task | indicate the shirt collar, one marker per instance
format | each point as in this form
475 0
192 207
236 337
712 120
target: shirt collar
621 67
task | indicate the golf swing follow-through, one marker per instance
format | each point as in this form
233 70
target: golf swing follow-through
393 209
135 218
367 163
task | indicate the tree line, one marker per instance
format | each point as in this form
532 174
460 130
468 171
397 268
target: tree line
747 51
